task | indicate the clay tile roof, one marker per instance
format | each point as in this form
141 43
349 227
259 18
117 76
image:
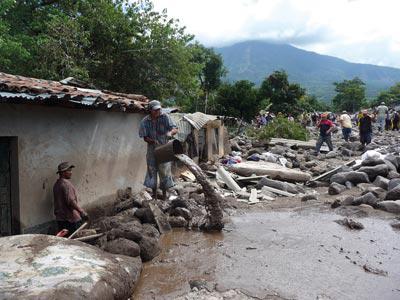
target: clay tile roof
25 90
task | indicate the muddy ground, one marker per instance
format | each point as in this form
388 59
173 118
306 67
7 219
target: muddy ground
283 249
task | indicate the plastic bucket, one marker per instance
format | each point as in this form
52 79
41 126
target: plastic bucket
166 153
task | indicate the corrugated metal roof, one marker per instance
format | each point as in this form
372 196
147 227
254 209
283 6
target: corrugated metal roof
198 119
26 90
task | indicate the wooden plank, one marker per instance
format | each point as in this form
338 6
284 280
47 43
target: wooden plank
251 178
228 180
221 141
89 237
279 192
253 196
333 171
209 142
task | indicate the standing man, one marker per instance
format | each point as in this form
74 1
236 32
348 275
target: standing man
155 129
345 122
395 121
69 215
381 112
365 128
325 128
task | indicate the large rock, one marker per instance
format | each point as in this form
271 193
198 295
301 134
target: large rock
353 176
370 162
390 206
280 185
393 175
369 198
390 165
381 182
123 246
336 188
145 215
50 267
177 221
378 192
149 248
181 212
393 159
394 194
393 183
374 171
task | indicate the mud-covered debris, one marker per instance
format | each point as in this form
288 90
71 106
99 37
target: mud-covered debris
309 197
375 271
350 223
336 203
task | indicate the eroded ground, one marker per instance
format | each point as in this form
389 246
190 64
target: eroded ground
296 252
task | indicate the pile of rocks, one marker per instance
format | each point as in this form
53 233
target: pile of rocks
378 179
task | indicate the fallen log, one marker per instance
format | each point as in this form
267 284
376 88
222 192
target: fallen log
228 180
274 171
212 198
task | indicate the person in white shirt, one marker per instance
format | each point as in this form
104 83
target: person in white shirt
345 122
381 112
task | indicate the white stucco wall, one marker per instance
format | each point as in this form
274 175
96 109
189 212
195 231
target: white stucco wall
104 147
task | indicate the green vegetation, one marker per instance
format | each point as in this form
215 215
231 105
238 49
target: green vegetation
391 96
280 128
350 95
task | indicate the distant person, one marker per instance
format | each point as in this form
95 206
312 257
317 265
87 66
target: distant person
388 122
69 214
381 112
325 129
345 123
395 121
365 128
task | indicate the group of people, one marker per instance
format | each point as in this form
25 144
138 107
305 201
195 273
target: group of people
385 118
156 129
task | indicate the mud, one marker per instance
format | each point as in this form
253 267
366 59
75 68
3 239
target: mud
291 254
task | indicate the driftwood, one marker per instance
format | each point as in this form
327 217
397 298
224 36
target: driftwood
279 192
274 171
89 237
212 200
228 180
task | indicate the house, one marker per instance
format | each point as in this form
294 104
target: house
43 123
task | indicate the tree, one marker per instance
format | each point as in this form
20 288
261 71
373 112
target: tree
310 103
283 95
211 72
350 95
114 44
237 100
391 96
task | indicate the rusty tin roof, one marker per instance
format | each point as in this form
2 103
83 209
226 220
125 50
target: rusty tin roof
25 90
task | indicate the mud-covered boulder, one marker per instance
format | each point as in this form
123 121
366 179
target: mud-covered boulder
131 231
50 267
352 176
378 192
370 162
149 248
390 206
393 159
369 198
177 221
375 171
182 212
393 194
145 215
336 188
150 230
122 246
393 183
390 165
381 182
108 223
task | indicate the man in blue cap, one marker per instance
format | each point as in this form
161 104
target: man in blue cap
155 129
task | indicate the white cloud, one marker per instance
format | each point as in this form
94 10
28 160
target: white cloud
356 30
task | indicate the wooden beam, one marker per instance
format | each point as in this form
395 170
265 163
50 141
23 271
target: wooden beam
209 142
279 192
221 141
228 180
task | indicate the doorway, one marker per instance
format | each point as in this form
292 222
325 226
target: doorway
9 202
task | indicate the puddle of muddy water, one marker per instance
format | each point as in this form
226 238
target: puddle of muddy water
296 255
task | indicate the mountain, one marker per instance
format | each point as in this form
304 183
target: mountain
255 60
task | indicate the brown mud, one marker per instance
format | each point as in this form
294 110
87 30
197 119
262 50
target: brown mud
296 253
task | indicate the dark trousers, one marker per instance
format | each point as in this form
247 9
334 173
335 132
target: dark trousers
395 125
365 138
71 227
321 140
346 133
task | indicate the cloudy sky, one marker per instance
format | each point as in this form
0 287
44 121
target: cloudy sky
364 31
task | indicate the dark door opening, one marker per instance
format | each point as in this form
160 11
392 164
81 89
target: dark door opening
9 202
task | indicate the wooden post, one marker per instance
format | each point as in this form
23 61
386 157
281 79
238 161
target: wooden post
209 139
221 141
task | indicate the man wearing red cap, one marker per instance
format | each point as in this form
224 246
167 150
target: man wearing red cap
325 128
